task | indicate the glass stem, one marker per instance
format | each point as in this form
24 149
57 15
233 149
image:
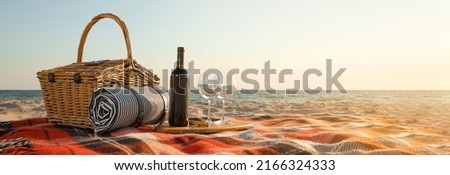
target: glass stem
223 110
209 111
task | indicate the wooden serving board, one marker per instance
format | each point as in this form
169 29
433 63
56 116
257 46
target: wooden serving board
200 127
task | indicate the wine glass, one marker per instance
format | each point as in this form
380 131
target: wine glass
209 87
228 90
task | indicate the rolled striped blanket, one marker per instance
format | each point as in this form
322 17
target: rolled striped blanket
112 108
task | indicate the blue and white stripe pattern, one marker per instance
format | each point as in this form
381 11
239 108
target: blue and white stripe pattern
112 108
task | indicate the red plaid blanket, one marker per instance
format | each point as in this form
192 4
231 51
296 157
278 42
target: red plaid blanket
284 134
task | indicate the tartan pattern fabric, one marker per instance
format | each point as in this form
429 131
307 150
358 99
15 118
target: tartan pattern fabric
282 134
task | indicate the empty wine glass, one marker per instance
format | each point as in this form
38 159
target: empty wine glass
228 90
209 87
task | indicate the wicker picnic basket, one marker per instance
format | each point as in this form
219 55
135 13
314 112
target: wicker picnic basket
67 89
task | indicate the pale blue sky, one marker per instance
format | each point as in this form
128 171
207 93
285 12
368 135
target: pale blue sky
384 44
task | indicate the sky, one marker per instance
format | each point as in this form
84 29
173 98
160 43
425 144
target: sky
383 44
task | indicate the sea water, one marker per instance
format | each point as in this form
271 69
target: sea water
380 96
6 95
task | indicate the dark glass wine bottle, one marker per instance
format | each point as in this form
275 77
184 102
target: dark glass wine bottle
179 93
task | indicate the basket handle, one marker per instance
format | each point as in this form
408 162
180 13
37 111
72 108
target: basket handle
91 24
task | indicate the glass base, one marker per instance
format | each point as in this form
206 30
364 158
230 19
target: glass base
223 122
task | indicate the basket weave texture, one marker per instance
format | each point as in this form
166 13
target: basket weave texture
67 89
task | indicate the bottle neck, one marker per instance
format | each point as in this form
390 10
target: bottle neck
180 58
180 63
